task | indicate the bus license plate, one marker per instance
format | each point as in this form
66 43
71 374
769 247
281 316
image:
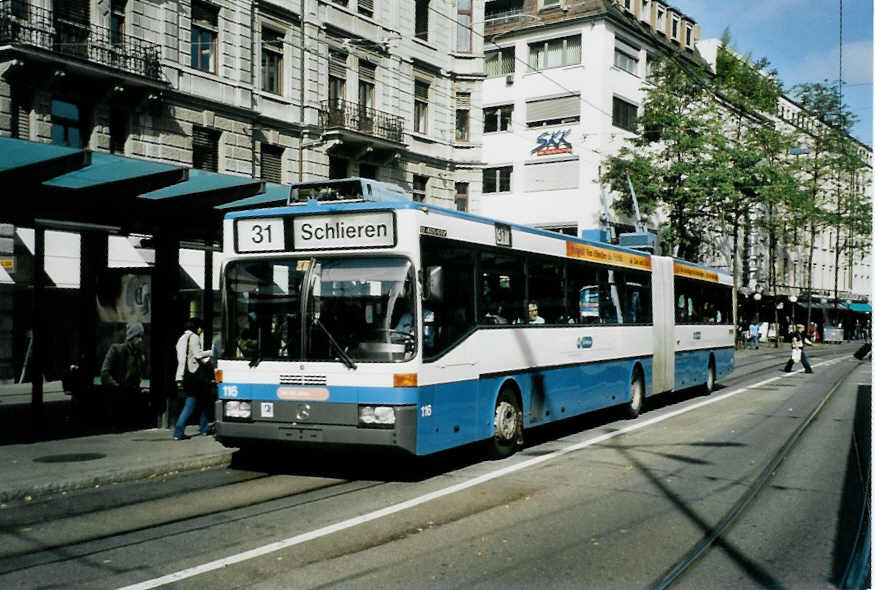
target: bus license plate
302 434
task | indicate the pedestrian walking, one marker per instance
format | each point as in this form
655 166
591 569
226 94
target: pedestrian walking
752 336
798 341
124 366
193 378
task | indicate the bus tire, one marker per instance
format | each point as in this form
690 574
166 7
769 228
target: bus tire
636 401
507 425
711 378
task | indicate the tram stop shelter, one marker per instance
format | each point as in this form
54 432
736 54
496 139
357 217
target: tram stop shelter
95 194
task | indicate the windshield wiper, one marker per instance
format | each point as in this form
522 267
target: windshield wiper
347 360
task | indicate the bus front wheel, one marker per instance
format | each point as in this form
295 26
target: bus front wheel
507 426
636 402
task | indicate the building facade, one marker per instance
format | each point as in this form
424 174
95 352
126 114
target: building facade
279 90
565 80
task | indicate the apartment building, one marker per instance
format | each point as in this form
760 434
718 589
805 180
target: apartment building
280 90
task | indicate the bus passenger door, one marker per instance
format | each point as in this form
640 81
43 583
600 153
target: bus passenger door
663 324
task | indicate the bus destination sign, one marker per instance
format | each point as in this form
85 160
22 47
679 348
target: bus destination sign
353 230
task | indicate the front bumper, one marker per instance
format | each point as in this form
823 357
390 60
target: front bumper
237 433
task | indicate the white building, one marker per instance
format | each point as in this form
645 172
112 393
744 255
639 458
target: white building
547 130
565 80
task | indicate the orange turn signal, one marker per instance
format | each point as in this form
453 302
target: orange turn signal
404 380
217 375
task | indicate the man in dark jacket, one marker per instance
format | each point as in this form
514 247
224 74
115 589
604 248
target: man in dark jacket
123 367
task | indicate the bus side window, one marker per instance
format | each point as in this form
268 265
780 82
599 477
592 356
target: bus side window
582 293
453 317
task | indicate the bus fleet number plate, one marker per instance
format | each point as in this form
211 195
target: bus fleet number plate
260 235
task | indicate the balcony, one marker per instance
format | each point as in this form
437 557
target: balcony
344 115
26 23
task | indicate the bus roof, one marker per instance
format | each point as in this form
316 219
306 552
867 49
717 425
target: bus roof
329 207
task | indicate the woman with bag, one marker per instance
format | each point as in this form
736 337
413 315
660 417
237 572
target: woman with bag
798 340
193 377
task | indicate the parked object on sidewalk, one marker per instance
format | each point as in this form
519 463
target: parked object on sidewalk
863 351
193 377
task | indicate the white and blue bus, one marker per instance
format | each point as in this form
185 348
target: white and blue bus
356 316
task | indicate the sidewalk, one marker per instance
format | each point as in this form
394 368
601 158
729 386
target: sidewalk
52 466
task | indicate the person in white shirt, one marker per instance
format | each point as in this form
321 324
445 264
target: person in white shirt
534 318
190 357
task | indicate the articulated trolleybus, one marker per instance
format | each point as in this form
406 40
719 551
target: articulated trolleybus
356 316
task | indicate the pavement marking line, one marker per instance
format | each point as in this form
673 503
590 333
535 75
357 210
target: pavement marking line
401 506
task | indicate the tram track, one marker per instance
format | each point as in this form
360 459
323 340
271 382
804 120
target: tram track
716 533
72 537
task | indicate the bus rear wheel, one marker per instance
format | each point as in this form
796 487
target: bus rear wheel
507 426
636 402
711 379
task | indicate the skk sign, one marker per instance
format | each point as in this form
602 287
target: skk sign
553 142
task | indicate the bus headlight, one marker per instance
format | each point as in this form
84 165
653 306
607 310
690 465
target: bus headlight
376 416
238 409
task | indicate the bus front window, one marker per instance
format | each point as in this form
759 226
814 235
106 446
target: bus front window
263 313
366 306
365 309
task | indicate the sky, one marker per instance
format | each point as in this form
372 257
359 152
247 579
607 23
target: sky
800 39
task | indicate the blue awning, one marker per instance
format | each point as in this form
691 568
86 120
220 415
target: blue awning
78 187
211 189
107 171
859 307
27 161
273 195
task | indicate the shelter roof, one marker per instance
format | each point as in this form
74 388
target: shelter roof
69 187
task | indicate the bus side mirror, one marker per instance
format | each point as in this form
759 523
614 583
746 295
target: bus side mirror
433 286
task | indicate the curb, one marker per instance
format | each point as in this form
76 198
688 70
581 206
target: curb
91 480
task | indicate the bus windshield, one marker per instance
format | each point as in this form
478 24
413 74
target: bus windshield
321 309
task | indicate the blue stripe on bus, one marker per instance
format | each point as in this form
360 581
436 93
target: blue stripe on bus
458 413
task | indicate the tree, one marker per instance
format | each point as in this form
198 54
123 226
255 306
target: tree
671 160
825 164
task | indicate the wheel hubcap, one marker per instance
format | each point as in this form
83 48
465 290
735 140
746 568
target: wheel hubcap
505 421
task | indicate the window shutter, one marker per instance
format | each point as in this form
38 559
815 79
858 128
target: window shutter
73 10
625 47
553 108
272 163
367 71
205 149
551 176
21 125
463 100
367 5
337 64
420 91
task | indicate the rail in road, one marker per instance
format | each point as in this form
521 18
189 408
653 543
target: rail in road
142 544
716 534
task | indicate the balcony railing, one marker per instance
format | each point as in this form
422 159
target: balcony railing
344 114
24 23
493 19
